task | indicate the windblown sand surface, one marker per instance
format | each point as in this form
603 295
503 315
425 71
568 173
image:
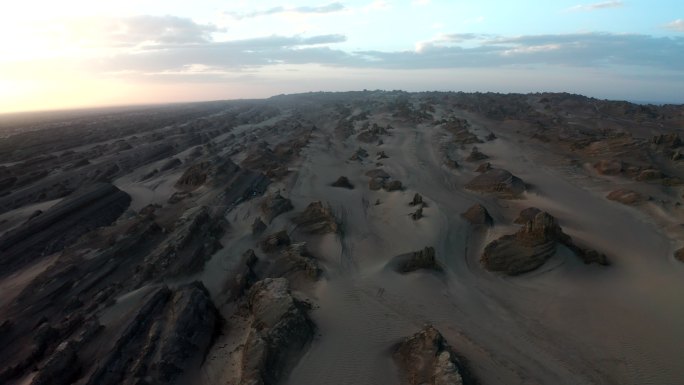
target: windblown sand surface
332 311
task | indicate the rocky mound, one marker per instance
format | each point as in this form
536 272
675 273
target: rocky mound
281 329
169 334
497 181
478 215
293 260
343 182
316 219
627 197
422 259
275 205
61 225
426 358
532 246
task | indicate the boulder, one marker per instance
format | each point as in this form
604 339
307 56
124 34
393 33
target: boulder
679 254
484 167
258 226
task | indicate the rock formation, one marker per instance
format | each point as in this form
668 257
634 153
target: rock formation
531 246
478 215
61 225
426 358
422 259
499 182
275 205
280 331
316 219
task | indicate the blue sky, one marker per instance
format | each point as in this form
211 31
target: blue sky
76 53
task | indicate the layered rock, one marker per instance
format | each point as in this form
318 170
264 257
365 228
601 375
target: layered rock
280 331
497 181
526 215
426 358
476 155
532 246
382 180
168 335
317 218
275 241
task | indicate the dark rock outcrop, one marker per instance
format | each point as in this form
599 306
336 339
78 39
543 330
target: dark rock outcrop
609 167
478 215
484 167
343 182
497 181
317 218
417 201
280 332
169 334
426 358
61 225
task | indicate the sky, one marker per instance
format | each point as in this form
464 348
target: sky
85 53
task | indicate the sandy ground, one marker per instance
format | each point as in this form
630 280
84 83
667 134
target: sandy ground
566 323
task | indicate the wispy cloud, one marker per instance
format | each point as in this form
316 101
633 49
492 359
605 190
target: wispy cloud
327 8
597 6
676 25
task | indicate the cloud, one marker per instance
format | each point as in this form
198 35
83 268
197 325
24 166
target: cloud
676 25
327 8
597 6
605 51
